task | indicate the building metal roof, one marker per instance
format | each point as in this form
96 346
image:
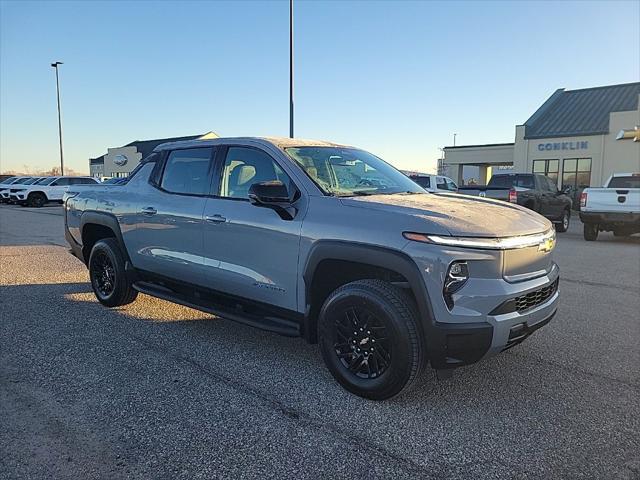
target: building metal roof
97 160
569 113
145 147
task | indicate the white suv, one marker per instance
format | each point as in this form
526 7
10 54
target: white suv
51 189
9 183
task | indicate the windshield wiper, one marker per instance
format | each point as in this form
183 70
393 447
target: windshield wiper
358 194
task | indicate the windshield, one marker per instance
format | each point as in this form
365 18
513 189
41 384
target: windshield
8 180
31 181
630 181
45 181
347 172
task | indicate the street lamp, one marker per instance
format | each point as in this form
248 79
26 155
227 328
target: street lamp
291 68
55 65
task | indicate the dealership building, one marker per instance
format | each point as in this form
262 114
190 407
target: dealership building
120 161
577 137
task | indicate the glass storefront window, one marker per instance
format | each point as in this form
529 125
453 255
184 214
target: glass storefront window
576 176
547 167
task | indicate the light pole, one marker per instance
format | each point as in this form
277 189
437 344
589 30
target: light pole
55 65
454 139
291 68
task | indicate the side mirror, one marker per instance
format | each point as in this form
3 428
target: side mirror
273 194
267 193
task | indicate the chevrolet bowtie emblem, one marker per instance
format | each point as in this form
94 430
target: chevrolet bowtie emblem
627 134
546 245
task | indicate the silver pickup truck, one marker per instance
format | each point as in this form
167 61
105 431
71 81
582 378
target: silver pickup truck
323 241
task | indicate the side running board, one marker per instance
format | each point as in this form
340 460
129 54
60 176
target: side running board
277 325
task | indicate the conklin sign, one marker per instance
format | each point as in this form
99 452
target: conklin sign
542 147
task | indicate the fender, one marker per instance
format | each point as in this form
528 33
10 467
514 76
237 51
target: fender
107 220
436 335
376 256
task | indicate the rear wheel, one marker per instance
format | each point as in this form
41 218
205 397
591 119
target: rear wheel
36 200
621 233
590 232
108 277
369 339
563 226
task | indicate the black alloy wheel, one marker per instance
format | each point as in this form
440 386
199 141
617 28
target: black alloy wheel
369 339
36 200
108 275
361 342
103 274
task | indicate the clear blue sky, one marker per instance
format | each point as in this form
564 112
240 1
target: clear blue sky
396 78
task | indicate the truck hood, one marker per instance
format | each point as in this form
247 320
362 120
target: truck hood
460 215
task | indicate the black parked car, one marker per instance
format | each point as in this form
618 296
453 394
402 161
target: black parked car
533 191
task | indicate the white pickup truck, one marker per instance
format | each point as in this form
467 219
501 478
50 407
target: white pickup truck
616 207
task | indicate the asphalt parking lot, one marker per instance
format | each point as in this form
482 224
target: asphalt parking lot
156 390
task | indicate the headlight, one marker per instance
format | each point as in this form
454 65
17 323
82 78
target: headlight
547 239
457 276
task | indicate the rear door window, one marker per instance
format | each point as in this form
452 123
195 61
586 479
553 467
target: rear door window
62 182
187 171
524 181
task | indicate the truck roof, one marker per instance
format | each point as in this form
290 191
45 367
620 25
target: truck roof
279 142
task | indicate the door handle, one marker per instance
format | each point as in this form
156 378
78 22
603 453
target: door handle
217 218
149 211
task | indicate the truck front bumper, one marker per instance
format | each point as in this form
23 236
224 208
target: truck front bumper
489 313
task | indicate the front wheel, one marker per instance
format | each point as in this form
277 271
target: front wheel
563 226
590 232
108 277
36 200
369 339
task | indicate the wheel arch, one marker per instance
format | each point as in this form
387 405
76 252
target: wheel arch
36 192
95 226
331 264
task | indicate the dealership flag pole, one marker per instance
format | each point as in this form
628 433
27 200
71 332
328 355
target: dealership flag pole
291 68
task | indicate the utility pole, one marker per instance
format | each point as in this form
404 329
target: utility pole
454 139
291 68
55 65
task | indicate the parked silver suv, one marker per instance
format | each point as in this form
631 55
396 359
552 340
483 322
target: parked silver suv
324 241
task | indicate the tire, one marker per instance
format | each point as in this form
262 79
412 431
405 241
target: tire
563 226
371 326
36 200
109 280
590 232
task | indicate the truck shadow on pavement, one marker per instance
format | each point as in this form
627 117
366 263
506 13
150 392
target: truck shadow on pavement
115 376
